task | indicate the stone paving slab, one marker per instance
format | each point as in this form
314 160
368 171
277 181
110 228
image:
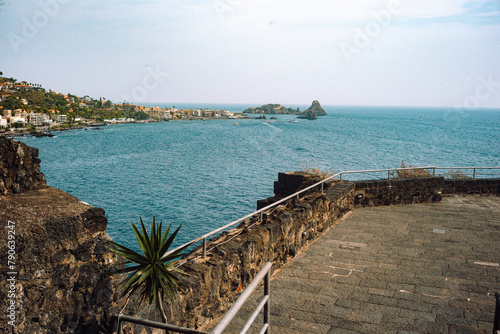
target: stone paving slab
426 268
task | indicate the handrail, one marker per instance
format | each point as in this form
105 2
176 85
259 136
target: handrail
297 194
264 273
496 321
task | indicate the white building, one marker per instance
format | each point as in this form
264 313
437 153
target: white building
3 122
38 119
59 118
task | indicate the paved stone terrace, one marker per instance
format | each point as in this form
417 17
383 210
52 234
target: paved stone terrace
427 268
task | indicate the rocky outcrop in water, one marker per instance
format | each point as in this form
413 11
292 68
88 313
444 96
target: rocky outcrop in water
308 115
315 109
272 109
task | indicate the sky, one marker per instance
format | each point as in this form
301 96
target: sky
442 53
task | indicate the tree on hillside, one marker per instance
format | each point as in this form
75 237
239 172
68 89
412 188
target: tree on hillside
12 103
140 115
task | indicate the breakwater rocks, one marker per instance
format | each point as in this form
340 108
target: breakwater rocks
19 167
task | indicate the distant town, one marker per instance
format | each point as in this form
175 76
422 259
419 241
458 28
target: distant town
29 107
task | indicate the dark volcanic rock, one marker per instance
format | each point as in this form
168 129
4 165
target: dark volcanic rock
308 115
62 264
272 109
19 167
315 109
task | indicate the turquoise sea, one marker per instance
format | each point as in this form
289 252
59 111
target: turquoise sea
204 174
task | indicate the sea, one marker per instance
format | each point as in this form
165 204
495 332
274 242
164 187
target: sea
204 174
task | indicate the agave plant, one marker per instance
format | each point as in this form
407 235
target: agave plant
151 272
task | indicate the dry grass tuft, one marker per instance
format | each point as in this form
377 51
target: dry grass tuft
455 175
316 171
411 173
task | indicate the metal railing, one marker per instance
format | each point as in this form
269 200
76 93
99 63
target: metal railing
264 274
474 170
496 322
320 184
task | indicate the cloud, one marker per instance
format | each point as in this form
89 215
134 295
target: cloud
426 9
342 10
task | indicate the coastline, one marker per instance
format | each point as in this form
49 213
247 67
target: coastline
47 131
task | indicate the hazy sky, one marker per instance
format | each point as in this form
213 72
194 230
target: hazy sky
340 52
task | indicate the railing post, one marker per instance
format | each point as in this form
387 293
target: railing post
474 174
204 247
119 330
340 177
267 292
322 187
434 171
388 174
496 322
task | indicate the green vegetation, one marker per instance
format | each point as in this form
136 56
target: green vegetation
49 102
151 272
272 109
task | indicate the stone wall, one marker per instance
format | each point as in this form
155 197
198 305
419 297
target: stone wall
19 167
469 186
398 191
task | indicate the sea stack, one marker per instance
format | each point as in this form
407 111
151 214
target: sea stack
308 115
315 109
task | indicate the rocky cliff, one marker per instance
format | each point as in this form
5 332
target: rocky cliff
57 280
19 167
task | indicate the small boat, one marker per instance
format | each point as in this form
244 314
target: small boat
293 121
236 123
